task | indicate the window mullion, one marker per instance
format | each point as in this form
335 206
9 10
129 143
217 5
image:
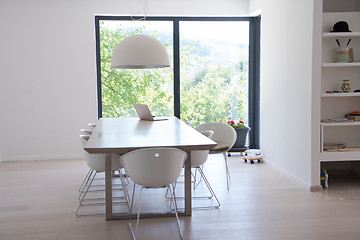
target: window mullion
176 56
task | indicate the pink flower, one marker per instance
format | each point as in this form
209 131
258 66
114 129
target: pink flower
239 124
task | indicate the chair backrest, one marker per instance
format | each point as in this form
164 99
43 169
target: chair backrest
154 167
223 132
86 131
208 133
97 161
92 125
198 158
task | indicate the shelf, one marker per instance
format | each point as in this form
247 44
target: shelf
356 64
343 150
341 34
341 124
339 156
351 94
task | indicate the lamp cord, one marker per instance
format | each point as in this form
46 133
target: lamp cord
144 7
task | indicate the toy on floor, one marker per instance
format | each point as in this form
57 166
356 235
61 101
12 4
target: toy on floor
252 155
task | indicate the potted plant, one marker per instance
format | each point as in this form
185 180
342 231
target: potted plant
241 132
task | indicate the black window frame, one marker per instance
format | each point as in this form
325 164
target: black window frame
254 65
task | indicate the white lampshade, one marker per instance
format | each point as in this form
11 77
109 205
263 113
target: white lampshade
140 51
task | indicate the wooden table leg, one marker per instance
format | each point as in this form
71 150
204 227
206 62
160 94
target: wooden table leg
108 187
188 206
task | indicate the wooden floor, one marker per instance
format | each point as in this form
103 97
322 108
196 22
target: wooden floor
38 199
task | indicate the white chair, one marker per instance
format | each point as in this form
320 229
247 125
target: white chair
198 158
224 136
154 168
92 126
209 134
86 131
96 163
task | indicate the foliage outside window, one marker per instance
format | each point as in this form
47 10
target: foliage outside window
123 87
209 90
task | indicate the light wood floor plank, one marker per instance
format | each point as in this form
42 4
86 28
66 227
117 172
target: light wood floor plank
38 199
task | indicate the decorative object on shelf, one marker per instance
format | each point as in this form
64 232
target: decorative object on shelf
345 87
355 115
342 53
241 133
336 120
350 149
341 26
334 146
351 55
324 179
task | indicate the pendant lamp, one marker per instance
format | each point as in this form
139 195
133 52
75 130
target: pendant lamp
140 51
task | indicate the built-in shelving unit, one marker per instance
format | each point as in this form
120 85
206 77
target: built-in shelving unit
336 105
340 124
354 64
341 34
351 94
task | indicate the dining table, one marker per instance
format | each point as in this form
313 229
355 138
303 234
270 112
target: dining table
121 135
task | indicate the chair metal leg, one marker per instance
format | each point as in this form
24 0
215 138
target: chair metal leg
126 192
130 213
138 215
91 176
228 179
209 187
172 193
196 183
89 184
134 234
84 186
84 195
86 179
212 193
176 211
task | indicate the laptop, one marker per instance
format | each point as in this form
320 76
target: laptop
144 113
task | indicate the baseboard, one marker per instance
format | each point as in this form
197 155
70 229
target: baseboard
287 175
317 188
40 157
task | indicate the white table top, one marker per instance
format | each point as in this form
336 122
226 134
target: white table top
120 135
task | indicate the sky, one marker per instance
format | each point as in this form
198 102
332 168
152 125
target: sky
225 31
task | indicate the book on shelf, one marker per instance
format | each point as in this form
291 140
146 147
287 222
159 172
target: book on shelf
333 146
334 120
352 149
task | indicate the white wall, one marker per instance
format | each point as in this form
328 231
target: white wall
287 87
48 74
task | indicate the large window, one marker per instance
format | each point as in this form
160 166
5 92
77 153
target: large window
214 71
211 77
120 88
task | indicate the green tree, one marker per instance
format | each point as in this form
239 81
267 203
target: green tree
121 87
211 92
